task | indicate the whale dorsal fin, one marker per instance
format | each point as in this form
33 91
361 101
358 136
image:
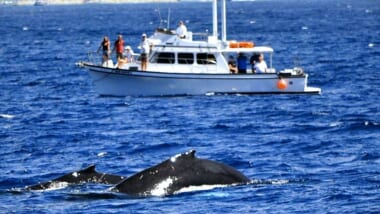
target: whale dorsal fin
90 169
189 154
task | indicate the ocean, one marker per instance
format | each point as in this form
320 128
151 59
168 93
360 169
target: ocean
305 154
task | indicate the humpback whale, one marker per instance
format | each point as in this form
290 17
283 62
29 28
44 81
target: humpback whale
168 177
87 175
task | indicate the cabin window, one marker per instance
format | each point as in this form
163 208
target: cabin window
206 59
185 58
163 58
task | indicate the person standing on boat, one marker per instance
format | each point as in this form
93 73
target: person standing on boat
119 47
242 63
105 46
181 30
145 49
261 65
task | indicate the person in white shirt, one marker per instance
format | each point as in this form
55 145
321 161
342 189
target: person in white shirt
181 30
145 48
261 65
128 54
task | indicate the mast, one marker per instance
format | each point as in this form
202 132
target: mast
215 18
224 24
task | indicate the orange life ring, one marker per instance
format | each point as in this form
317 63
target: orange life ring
234 44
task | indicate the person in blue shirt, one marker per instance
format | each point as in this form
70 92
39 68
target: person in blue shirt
242 63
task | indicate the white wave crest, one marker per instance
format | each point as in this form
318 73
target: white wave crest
102 154
201 188
7 116
279 182
269 182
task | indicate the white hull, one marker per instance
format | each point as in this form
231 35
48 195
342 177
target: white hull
121 82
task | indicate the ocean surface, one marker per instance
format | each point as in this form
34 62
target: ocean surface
306 154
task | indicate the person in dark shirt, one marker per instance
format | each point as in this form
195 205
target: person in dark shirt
253 60
105 46
242 63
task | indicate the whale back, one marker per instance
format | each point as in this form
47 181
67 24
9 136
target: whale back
87 175
179 172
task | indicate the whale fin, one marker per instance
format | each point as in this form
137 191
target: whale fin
191 153
90 169
187 155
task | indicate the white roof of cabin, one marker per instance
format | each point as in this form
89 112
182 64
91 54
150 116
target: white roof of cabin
170 42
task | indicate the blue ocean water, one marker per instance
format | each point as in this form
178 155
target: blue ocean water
308 154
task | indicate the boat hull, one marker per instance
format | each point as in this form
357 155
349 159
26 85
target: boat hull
121 82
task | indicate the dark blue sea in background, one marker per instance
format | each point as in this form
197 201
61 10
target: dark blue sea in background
308 154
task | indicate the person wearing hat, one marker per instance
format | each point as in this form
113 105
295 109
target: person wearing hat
128 54
127 57
145 48
181 30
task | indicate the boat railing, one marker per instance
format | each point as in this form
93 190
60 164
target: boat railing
94 57
200 36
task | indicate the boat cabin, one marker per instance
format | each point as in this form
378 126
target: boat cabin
171 54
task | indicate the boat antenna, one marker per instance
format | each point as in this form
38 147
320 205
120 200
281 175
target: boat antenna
159 15
168 21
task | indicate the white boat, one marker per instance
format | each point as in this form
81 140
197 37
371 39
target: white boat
196 67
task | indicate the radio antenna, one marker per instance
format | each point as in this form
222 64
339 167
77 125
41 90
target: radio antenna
159 15
168 26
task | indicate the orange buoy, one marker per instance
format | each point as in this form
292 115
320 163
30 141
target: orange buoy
281 84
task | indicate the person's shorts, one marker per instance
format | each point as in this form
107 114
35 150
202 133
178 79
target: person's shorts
106 54
143 57
119 55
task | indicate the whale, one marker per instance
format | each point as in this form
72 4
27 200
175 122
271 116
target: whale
166 178
87 175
